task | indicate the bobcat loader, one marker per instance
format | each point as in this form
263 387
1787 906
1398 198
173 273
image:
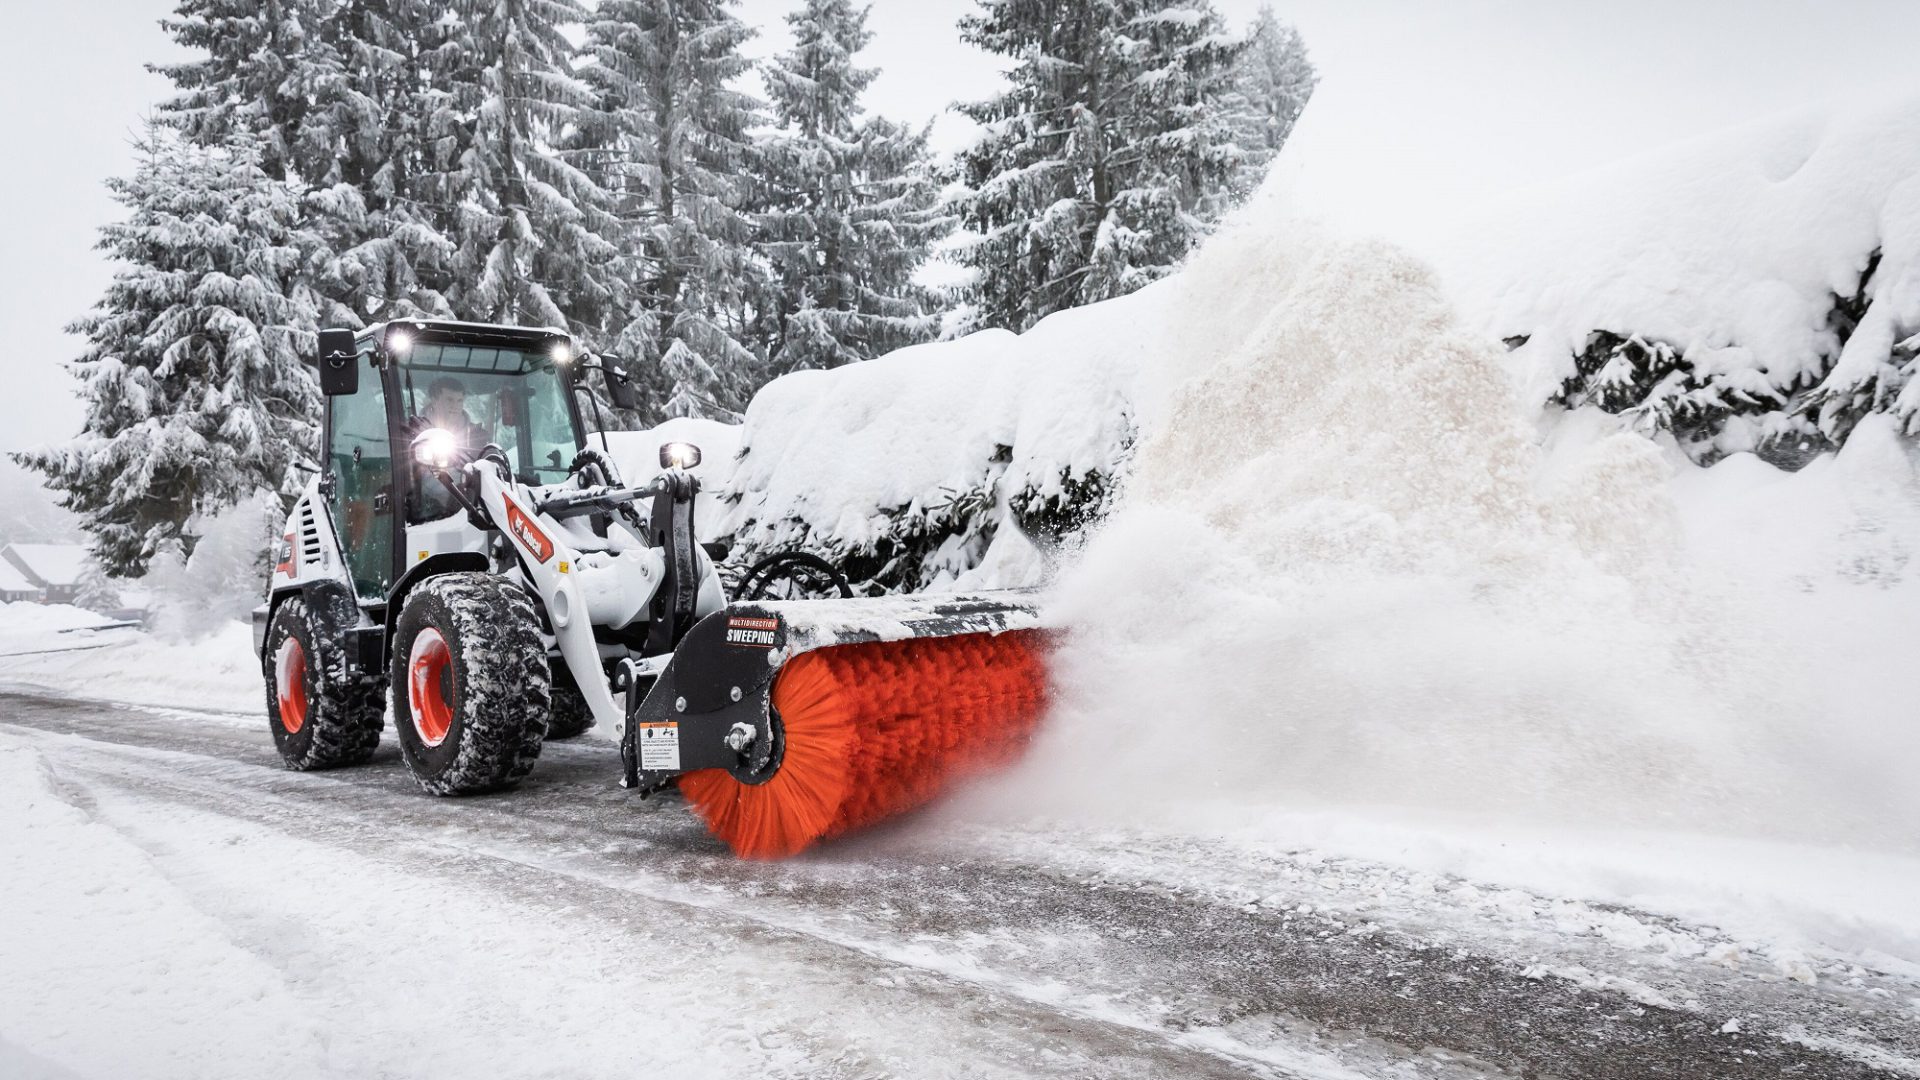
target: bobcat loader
466 559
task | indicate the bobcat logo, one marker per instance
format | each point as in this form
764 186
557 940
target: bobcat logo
529 534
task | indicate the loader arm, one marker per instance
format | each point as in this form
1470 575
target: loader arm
548 561
661 580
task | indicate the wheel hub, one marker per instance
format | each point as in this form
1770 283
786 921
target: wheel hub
290 684
429 698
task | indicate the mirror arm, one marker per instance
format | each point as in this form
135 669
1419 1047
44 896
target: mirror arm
599 420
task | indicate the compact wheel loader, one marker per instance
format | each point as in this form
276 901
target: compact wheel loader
467 559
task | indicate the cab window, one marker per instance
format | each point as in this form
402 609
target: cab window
512 398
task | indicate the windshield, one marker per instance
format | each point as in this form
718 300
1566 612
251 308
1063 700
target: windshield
511 397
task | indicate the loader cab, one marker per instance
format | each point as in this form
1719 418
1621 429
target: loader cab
505 386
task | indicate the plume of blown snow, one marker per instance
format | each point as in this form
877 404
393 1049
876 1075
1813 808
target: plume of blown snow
1347 570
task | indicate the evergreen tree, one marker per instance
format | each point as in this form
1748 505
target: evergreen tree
377 136
196 396
1274 78
850 211
1106 160
671 135
253 82
335 93
531 227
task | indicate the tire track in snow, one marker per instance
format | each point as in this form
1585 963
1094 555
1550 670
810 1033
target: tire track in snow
1225 978
980 1029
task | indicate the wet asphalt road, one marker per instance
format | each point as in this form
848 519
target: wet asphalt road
1050 971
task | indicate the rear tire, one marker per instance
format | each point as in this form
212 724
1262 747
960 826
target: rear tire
570 716
471 689
323 716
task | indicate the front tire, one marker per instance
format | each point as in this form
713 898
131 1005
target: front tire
323 716
471 689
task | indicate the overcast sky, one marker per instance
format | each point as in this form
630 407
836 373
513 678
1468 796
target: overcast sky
1429 103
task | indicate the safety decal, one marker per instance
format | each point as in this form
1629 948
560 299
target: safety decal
528 533
756 632
660 746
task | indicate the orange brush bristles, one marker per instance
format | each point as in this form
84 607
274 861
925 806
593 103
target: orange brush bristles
876 729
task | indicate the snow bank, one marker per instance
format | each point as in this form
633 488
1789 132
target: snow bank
216 671
1350 575
32 626
917 467
1759 289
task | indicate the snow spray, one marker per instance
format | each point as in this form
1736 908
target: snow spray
1346 571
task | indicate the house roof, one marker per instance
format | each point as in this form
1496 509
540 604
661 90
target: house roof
13 581
49 564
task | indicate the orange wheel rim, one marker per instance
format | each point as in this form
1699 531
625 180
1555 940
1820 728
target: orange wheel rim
427 692
290 684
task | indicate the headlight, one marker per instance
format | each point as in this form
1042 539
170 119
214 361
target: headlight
679 455
434 448
561 352
398 342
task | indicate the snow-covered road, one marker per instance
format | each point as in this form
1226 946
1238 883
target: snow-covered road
179 905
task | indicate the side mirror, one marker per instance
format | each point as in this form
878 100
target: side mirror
338 362
619 385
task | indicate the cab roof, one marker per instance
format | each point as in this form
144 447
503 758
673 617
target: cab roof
475 333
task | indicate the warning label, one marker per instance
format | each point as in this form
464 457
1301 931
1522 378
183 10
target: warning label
660 746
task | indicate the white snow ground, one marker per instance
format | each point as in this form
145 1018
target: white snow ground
51 646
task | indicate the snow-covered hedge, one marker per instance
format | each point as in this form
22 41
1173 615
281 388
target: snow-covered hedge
1756 290
915 468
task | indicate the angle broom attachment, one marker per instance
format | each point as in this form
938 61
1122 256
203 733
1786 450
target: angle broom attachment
875 729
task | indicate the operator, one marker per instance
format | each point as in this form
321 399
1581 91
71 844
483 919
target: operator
446 410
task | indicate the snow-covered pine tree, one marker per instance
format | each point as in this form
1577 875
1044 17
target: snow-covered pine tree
1106 160
337 94
671 135
372 136
1274 78
849 210
253 79
531 228
196 395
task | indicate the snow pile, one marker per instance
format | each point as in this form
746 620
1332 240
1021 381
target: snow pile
919 466
1759 289
28 626
215 671
1346 575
